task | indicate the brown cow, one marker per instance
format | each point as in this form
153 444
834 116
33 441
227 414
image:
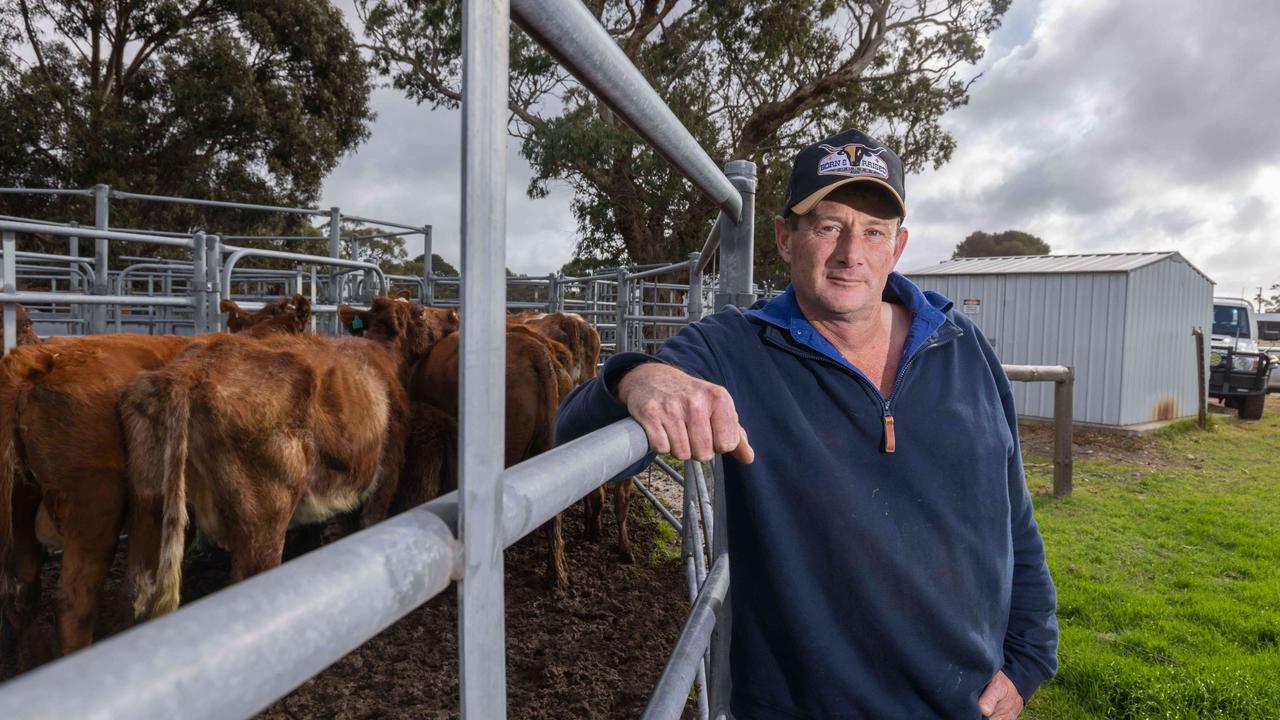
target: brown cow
257 435
283 316
583 342
575 333
62 472
534 381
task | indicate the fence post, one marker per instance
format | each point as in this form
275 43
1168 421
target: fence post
101 218
737 255
1202 401
10 247
693 300
486 28
430 297
620 343
1062 431
335 250
737 240
199 291
212 282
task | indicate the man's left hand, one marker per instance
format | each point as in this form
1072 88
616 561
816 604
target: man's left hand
1000 700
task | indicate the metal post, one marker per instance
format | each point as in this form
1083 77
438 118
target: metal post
199 289
212 280
430 290
694 299
1202 401
737 240
486 27
736 260
10 248
1062 431
335 250
101 218
553 293
620 340
315 283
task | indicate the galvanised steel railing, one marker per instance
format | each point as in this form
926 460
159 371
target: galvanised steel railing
283 626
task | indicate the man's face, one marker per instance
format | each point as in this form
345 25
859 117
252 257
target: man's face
841 253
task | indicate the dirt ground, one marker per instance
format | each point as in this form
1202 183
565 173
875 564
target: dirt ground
595 653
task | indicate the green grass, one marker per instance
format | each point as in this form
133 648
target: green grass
1168 578
666 541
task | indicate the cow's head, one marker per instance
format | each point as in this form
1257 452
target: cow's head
25 329
408 328
286 316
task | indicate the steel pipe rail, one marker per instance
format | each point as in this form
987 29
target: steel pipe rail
415 229
664 270
89 232
1038 373
1064 380
239 253
122 195
668 699
27 296
567 30
233 653
659 506
47 191
712 243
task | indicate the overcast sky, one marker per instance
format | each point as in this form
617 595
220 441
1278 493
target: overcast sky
1098 126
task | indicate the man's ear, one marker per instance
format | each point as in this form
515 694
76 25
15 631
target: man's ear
900 245
782 236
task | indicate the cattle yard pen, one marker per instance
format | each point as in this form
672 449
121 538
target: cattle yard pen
286 625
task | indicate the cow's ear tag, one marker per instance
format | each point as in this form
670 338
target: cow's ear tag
357 323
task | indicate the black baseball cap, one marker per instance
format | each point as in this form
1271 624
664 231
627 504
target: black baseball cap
847 157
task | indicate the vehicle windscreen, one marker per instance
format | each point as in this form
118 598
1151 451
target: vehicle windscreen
1232 321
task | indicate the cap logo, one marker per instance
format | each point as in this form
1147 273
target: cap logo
853 160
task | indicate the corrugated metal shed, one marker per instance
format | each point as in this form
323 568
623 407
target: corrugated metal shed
1122 320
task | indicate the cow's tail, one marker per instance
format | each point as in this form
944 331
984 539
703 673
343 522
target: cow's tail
549 383
156 411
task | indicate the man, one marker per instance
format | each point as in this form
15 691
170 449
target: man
884 558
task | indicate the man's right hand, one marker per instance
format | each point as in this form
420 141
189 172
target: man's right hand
682 415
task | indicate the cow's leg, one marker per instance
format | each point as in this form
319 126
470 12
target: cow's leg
557 568
593 512
257 542
84 568
621 509
20 585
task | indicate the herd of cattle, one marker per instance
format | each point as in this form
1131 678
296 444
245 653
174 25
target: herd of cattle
243 436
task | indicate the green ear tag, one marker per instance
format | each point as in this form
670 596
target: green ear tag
357 323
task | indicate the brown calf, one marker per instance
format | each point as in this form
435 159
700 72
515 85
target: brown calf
62 470
534 381
258 435
583 342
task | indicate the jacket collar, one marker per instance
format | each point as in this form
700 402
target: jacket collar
929 323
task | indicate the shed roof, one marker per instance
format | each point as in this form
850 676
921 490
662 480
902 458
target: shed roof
1038 264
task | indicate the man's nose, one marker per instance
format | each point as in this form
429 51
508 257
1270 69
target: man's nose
848 251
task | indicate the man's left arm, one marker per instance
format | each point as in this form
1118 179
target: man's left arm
1031 641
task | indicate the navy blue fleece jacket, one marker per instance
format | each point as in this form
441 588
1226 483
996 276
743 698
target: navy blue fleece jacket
866 583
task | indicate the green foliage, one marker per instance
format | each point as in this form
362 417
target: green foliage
1272 304
225 99
1007 243
751 79
1168 578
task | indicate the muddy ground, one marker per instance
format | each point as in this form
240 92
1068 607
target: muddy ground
597 652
